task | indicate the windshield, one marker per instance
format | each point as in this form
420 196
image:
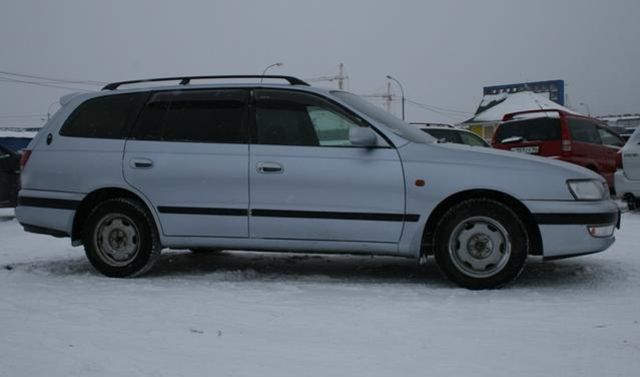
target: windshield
538 129
399 127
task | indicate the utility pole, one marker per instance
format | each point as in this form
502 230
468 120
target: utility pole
340 77
387 97
401 91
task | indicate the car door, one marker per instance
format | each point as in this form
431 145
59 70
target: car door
188 154
309 183
9 166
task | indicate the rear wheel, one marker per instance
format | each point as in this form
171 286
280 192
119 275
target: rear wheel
120 238
480 244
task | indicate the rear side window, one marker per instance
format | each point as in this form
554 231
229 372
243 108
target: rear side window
584 131
536 129
472 139
107 117
204 116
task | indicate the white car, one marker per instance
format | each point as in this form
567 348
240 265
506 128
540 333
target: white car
627 178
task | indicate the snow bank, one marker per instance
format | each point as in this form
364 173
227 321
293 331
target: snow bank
250 314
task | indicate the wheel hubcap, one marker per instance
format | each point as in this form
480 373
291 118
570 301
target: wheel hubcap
117 240
479 247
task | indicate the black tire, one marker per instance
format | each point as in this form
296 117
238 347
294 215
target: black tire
120 238
480 244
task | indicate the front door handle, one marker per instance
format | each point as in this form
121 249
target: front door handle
141 163
265 167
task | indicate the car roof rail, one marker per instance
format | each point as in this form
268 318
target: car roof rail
186 80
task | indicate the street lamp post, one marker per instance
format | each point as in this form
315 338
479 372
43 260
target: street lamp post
587 106
401 91
278 64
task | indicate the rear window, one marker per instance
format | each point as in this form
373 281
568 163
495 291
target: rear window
537 129
107 117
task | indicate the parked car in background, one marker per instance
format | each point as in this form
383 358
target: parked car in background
9 177
561 135
451 134
627 177
17 138
291 167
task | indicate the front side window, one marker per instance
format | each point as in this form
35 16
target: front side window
583 130
609 138
294 118
201 116
398 126
107 117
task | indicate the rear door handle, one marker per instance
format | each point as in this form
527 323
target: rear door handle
141 163
265 167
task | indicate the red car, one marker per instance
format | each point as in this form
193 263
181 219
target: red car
558 134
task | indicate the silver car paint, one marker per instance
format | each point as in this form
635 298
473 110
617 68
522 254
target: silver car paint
75 167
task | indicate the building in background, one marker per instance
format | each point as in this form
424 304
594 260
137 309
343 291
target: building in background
498 100
551 89
623 124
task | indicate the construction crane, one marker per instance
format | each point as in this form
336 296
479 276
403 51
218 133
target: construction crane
340 77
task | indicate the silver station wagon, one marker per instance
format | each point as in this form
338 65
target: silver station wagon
283 166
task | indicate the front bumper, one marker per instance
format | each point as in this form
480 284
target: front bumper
564 226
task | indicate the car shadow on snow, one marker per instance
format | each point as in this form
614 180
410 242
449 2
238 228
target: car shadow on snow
579 273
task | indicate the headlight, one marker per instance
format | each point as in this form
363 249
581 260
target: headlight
588 189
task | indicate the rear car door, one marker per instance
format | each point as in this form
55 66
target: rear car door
309 183
9 174
188 154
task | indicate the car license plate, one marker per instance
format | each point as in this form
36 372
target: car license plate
528 150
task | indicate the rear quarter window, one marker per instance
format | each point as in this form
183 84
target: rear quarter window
107 117
537 129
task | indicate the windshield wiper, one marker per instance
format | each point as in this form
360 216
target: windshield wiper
512 139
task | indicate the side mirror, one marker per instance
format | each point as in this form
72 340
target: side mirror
363 137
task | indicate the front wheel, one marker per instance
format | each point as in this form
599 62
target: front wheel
120 238
480 244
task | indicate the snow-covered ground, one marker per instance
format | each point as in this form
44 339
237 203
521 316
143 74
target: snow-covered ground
250 314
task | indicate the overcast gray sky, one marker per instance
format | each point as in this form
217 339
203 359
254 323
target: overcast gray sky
443 52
